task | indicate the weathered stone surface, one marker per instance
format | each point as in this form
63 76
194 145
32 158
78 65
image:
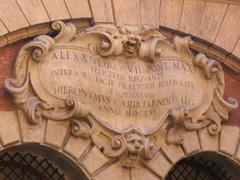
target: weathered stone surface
78 8
3 41
34 11
208 142
142 174
56 9
9 128
229 30
113 172
202 47
191 16
212 18
191 142
94 160
216 53
11 15
38 29
56 132
237 156
170 13
55 71
135 74
148 16
232 63
12 37
3 29
173 152
236 50
76 146
102 10
141 86
131 14
229 139
30 134
159 164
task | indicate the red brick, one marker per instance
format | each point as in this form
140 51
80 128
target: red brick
7 57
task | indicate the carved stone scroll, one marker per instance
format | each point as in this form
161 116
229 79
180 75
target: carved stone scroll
121 83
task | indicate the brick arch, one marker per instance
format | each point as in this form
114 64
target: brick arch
214 25
210 20
16 131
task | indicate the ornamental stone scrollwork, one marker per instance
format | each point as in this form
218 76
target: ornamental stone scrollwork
119 86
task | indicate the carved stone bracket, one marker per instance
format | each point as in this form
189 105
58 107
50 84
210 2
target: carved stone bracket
120 83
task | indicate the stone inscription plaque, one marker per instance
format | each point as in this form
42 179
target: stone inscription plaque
125 88
121 92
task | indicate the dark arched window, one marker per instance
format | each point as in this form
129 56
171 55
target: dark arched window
35 162
205 166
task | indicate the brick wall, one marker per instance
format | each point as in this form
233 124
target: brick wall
7 56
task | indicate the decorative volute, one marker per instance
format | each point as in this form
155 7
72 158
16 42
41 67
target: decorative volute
127 84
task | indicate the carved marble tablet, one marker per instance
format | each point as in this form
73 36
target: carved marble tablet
123 84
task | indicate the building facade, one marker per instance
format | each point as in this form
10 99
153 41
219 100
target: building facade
117 89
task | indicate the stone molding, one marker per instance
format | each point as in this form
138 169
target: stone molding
133 146
84 154
211 23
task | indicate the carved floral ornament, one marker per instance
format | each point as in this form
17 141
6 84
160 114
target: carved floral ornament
126 84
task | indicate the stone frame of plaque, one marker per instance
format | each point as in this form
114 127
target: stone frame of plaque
125 88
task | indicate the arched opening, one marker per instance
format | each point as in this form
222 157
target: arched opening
36 162
205 166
